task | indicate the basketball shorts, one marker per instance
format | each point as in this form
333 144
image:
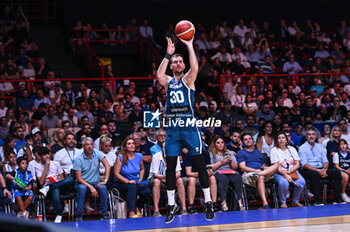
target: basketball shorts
178 138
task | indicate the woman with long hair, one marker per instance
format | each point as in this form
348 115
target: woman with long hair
333 144
129 171
326 131
289 163
265 140
249 106
224 166
8 147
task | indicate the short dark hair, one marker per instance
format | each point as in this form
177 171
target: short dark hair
43 151
27 137
20 159
68 133
245 134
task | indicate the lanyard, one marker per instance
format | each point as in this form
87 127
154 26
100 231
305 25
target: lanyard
70 156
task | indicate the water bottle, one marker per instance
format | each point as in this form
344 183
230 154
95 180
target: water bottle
20 183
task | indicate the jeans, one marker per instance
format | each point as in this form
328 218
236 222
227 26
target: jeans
283 186
56 189
131 191
83 190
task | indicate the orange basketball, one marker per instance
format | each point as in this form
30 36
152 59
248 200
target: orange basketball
184 30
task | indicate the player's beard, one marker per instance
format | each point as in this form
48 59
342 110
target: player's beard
177 73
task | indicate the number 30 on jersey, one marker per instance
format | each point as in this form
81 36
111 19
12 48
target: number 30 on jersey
176 97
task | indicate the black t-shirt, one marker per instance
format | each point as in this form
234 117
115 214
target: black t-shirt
187 160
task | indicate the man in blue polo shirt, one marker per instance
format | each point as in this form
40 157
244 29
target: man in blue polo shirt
86 168
252 163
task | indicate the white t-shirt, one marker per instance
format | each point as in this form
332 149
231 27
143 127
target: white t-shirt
31 168
240 31
158 165
66 158
111 157
3 112
54 169
284 158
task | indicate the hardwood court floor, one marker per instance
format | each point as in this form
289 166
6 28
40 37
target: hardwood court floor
313 218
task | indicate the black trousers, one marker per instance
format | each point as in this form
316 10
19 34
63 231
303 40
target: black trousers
226 180
315 178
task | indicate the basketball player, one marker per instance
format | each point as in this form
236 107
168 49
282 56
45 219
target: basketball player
180 91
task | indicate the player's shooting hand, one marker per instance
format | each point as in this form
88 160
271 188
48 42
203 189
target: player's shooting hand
188 43
171 47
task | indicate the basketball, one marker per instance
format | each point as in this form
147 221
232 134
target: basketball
184 30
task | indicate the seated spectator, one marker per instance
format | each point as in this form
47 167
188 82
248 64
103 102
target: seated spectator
223 56
50 176
158 174
250 121
346 41
289 162
128 172
71 117
67 155
50 120
341 160
238 99
292 66
310 110
265 141
86 168
252 163
265 111
336 111
5 194
321 53
203 43
22 195
193 181
147 32
250 106
253 56
266 65
6 88
224 164
240 29
106 149
226 115
315 167
237 54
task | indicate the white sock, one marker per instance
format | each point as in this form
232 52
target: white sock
207 197
171 197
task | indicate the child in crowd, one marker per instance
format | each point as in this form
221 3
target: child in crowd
28 139
22 187
341 161
10 164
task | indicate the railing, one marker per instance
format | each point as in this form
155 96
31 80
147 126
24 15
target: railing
87 41
30 82
290 76
36 10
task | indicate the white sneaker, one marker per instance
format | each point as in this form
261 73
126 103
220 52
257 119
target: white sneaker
89 208
66 208
58 219
310 194
26 214
288 195
44 190
345 197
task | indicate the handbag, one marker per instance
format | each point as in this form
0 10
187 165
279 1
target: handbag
122 209
119 205
293 175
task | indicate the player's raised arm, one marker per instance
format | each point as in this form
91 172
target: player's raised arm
162 77
191 75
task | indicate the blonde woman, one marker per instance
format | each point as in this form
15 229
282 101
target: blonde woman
106 149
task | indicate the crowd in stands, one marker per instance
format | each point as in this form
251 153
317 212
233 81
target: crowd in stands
57 138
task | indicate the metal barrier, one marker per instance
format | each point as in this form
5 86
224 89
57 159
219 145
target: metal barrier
290 76
79 41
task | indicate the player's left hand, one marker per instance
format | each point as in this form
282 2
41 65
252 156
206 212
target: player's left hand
187 42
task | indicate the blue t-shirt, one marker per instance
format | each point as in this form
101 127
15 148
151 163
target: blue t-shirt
89 167
19 145
252 159
131 171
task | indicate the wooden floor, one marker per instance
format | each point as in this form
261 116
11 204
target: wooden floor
313 218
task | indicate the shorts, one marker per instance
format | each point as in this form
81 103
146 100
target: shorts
248 178
151 181
178 138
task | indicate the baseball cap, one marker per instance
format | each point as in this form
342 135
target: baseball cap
227 101
36 130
